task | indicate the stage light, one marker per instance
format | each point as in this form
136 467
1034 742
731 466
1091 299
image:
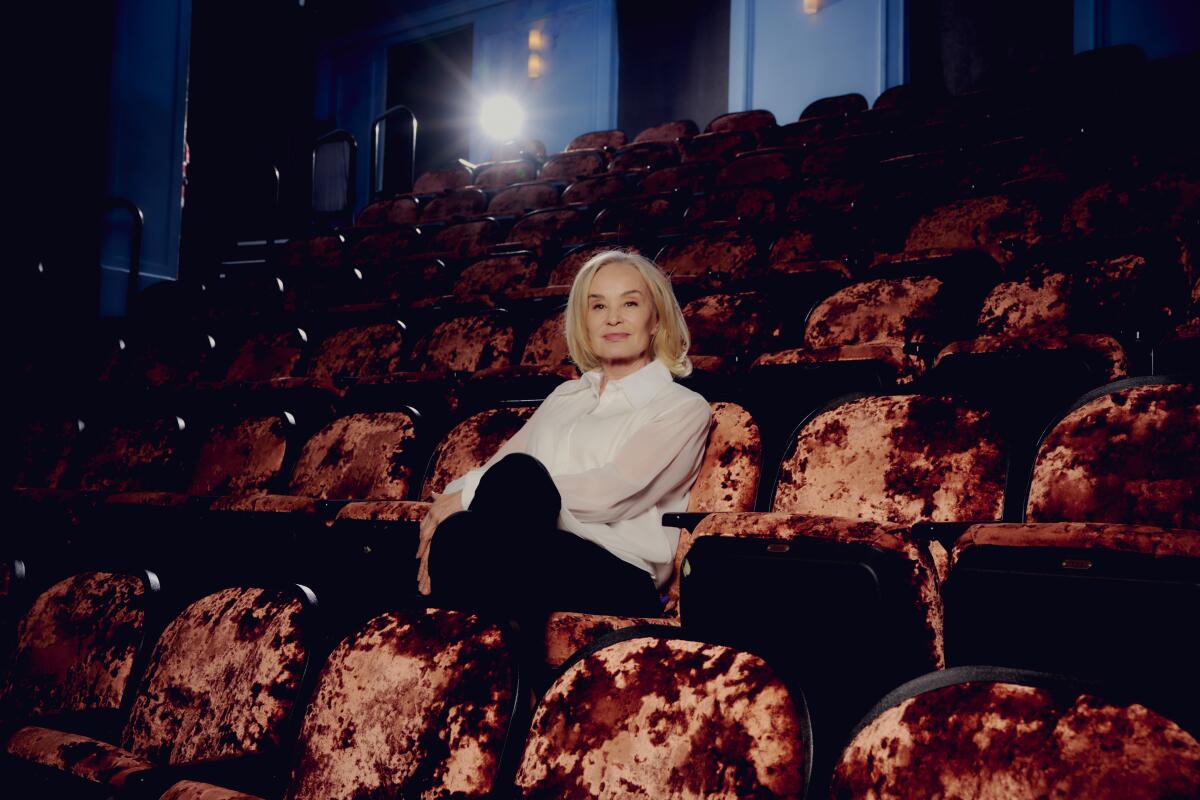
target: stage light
501 118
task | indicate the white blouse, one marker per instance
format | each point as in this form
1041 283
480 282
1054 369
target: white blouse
620 460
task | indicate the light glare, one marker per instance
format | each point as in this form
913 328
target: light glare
501 118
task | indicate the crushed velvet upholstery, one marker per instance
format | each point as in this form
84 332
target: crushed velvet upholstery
465 344
131 457
644 157
221 682
498 275
667 132
195 790
599 189
409 281
163 358
471 443
724 206
378 250
498 174
240 457
384 511
568 266
567 632
1095 211
717 146
466 240
831 193
596 140
357 456
359 351
651 718
978 223
523 198
398 211
1109 536
641 215
761 168
923 598
728 325
741 121
869 321
691 177
265 356
799 250
458 204
1102 349
546 346
1131 455
573 165
44 446
837 104
411 705
319 252
539 229
729 255
1134 290
75 647
441 180
897 459
990 740
82 756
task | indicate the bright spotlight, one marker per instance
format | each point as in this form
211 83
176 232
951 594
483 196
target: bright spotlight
501 117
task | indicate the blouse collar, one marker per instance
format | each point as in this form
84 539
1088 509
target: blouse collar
639 387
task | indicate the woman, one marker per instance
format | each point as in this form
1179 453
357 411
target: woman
567 515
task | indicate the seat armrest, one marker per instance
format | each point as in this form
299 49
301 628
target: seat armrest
257 775
945 532
689 519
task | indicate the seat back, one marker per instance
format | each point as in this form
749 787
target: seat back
1128 452
667 132
359 456
665 717
597 139
413 704
240 457
898 459
573 165
470 443
880 310
268 354
223 679
497 275
76 647
130 456
465 344
441 180
359 351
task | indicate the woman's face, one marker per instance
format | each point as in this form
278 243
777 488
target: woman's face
621 319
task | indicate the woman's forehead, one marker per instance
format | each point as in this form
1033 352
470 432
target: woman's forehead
617 277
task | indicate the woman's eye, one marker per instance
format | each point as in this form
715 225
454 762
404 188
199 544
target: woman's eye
631 303
597 307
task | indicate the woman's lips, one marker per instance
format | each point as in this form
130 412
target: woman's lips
615 337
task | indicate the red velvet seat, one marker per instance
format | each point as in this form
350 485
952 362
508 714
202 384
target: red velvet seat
442 180
457 204
690 178
717 260
741 121
597 139
644 157
574 164
841 104
597 190
395 212
499 174
718 146
667 132
521 198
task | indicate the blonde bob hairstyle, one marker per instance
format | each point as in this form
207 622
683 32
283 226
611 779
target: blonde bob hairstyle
669 344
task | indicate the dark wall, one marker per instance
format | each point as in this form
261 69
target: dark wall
674 61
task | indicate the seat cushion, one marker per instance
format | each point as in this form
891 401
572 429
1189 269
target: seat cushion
81 756
195 790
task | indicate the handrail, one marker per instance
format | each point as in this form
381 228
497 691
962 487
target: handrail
338 135
408 158
135 245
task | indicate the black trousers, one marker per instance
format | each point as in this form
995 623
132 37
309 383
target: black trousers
505 554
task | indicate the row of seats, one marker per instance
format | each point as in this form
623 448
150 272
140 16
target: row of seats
434 703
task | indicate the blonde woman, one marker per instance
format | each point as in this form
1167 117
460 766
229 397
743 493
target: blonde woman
567 515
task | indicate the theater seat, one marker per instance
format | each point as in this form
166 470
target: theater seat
597 139
741 121
413 704
457 204
653 715
644 157
716 260
988 732
722 146
466 240
499 174
521 198
598 190
545 363
76 650
221 684
574 164
442 180
728 331
841 104
667 132
390 213
547 231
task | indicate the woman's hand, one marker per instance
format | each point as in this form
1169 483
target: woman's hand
443 506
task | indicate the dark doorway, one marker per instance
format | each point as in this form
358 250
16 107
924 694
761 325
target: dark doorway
433 78
674 58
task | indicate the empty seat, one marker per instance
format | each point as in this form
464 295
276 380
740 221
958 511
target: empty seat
872 329
455 204
164 358
717 146
667 132
606 728
724 208
124 454
574 164
497 276
522 198
396 211
741 121
693 177
76 648
597 190
267 355
442 180
516 148
376 251
710 258
318 252
400 707
762 167
989 732
644 157
813 251
550 229
357 351
806 132
597 139
728 331
221 684
498 174
545 363
466 240
839 104
640 217
465 344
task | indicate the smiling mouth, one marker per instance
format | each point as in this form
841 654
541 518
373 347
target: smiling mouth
615 337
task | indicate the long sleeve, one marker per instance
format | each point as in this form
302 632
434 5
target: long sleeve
660 456
468 482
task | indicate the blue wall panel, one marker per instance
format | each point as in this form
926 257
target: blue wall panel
1160 28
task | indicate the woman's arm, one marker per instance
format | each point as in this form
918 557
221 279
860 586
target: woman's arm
661 456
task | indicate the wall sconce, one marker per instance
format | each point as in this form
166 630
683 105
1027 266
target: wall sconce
812 6
535 65
539 42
